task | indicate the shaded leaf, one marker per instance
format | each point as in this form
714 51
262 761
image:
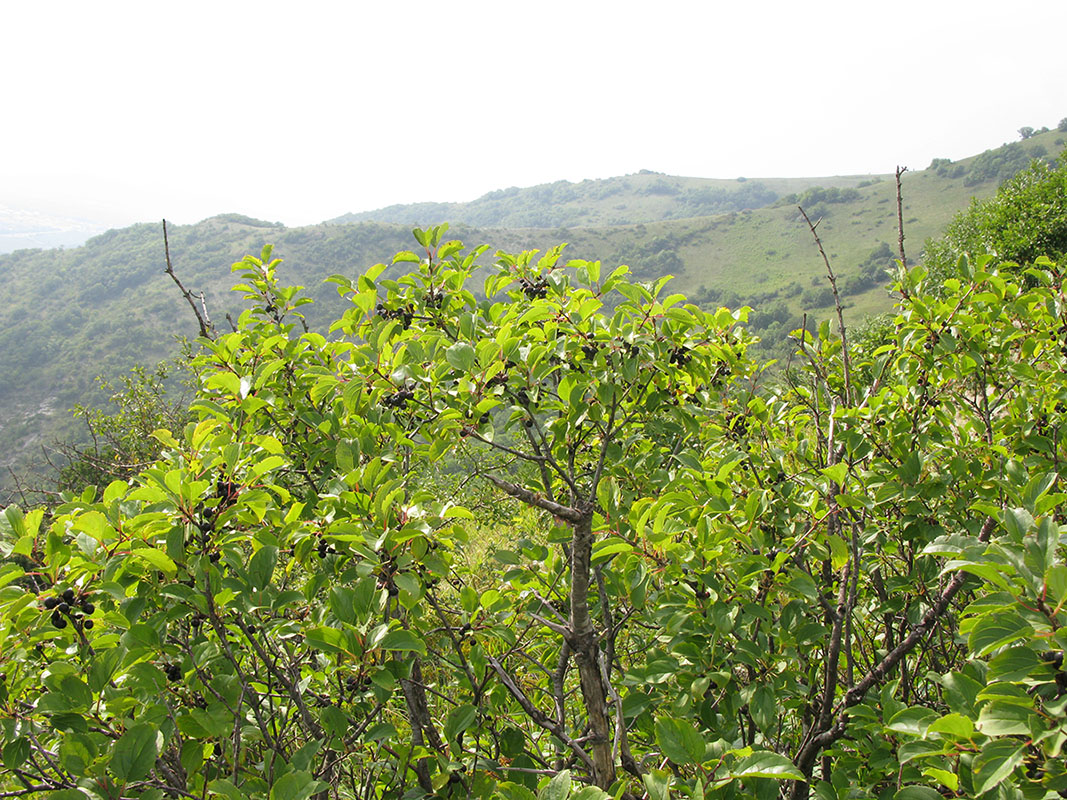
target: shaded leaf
134 753
765 764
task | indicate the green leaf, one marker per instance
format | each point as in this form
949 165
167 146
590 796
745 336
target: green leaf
912 468
764 708
325 638
658 784
15 752
950 780
590 793
912 721
335 721
383 731
915 792
954 725
460 356
226 789
77 753
298 785
261 567
1017 522
155 559
227 382
765 764
403 641
558 788
514 791
134 753
679 741
78 696
837 472
920 748
1004 719
459 720
1013 664
536 313
996 761
997 630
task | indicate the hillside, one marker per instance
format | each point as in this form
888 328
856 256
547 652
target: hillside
642 197
67 316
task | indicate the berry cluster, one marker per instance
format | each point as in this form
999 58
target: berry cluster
325 549
68 606
534 289
173 671
405 314
357 684
680 356
398 400
737 426
722 371
385 579
589 350
227 492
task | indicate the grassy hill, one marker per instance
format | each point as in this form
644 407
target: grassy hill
642 197
67 316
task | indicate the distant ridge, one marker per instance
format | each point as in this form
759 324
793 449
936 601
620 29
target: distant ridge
640 197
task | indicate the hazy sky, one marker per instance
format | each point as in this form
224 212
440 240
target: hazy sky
299 112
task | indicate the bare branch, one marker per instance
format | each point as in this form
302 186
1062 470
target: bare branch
206 328
533 499
539 717
900 219
837 305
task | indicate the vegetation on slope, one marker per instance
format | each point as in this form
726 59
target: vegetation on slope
847 581
68 316
1026 219
642 197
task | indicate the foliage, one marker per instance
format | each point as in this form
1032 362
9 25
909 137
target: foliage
121 442
1027 218
1003 163
849 580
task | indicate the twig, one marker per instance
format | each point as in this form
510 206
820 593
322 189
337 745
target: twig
837 305
900 220
538 717
206 328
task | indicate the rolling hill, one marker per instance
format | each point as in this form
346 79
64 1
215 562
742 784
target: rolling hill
642 197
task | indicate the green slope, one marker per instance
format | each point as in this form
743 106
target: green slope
67 316
642 197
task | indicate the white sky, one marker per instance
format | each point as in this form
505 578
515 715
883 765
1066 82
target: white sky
131 111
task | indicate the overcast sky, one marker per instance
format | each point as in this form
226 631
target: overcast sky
298 112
